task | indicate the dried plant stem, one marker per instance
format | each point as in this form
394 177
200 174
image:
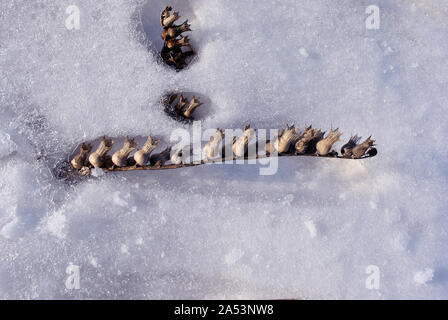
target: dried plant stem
220 160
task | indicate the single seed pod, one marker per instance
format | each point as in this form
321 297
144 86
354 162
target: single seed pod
212 149
323 147
97 158
166 19
346 149
141 157
194 103
240 146
361 149
79 160
159 159
286 139
120 158
307 140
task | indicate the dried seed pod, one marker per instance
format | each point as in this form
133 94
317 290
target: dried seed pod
194 103
172 53
177 43
166 19
212 149
361 149
286 139
226 150
182 154
178 156
80 159
181 110
240 146
99 156
175 31
177 59
159 159
85 171
181 103
269 147
308 140
120 158
141 156
346 148
323 147
317 136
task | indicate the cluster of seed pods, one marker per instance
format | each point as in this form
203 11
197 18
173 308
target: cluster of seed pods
179 107
176 47
312 141
289 141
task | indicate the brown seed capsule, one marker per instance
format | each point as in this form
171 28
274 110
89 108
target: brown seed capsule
159 159
307 140
175 31
177 43
240 145
194 103
212 149
226 150
346 149
360 149
181 155
323 147
176 157
79 160
98 157
286 139
173 41
269 147
141 156
120 158
167 20
181 103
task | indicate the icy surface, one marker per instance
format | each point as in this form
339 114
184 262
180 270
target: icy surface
309 231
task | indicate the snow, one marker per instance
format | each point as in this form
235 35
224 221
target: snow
424 276
224 231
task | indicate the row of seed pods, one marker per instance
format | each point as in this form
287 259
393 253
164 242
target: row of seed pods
288 141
